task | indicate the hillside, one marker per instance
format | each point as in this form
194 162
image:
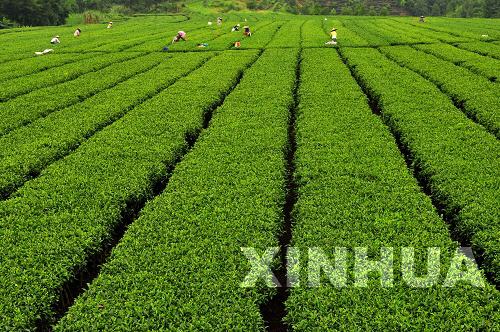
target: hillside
322 7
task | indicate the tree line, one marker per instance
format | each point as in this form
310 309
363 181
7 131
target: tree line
453 8
55 12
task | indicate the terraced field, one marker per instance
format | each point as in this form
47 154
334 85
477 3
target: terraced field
133 181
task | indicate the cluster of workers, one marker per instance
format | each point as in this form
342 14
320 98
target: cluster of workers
181 35
77 33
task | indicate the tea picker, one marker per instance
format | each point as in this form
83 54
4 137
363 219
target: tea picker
181 35
333 35
246 31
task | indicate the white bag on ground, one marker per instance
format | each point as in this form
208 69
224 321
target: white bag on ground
46 51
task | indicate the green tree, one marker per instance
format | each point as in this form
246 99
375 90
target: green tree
80 6
472 8
35 12
435 10
385 10
359 9
491 8
442 5
421 7
346 10
450 8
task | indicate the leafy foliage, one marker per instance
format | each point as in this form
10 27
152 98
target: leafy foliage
38 103
456 158
83 197
34 65
30 149
35 12
482 48
481 65
478 96
91 133
226 194
356 191
53 76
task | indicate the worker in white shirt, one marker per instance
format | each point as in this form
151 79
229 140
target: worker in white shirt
55 40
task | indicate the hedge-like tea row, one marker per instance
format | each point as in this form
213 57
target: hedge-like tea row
34 65
193 29
483 29
227 40
354 190
130 43
456 29
419 31
409 37
196 33
30 42
372 39
457 159
96 35
29 149
93 35
289 35
419 34
5 58
479 64
181 262
55 222
158 33
27 108
317 31
392 35
313 34
205 36
53 76
262 33
209 35
346 36
261 37
479 97
92 40
487 49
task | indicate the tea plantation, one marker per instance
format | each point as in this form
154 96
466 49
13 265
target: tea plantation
133 171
